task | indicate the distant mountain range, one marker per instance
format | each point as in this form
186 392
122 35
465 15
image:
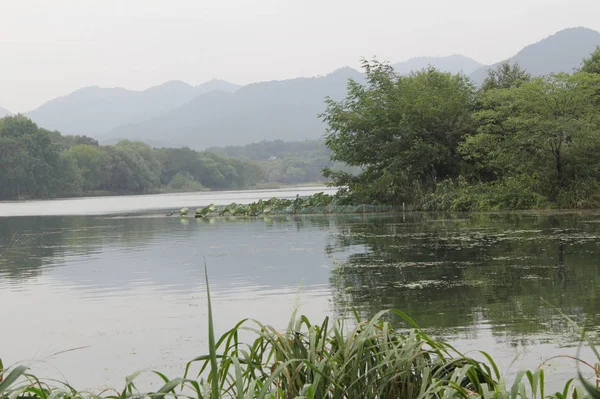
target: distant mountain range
285 110
219 113
95 110
4 112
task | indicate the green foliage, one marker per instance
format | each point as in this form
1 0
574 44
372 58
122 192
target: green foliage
184 182
507 194
592 64
401 130
430 141
545 131
505 76
37 163
30 161
274 205
287 162
210 170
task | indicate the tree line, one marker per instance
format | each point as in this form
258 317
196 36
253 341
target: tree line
37 163
435 141
287 162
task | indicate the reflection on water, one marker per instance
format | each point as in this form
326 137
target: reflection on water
131 288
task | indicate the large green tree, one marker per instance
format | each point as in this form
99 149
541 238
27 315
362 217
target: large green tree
30 159
505 76
403 131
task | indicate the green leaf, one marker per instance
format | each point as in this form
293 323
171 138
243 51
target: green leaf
13 376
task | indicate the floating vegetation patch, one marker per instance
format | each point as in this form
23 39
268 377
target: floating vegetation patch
319 203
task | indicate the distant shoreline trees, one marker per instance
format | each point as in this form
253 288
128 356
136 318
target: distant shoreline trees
37 163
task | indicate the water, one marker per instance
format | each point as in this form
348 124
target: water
129 290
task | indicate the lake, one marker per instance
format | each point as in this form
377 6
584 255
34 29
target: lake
126 286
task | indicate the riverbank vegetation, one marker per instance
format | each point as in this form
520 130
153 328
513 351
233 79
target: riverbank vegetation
434 141
333 359
38 163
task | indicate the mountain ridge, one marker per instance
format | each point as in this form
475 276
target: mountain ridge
541 58
79 112
286 108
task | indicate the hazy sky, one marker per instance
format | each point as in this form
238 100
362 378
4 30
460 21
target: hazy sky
50 48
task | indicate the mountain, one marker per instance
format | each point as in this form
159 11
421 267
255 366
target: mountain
216 85
561 52
4 112
285 110
95 110
452 63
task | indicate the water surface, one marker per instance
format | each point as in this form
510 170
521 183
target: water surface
131 290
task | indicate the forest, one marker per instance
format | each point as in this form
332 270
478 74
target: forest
287 162
37 163
434 141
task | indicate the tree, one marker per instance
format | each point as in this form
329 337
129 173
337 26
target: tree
592 63
546 129
505 76
403 131
38 161
128 171
93 164
13 158
294 175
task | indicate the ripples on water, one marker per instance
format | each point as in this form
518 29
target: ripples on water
131 289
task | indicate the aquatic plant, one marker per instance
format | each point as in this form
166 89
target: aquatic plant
319 203
203 212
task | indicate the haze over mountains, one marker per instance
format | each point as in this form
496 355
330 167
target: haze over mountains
219 113
4 112
95 110
453 63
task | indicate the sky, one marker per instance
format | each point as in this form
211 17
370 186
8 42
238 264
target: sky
51 48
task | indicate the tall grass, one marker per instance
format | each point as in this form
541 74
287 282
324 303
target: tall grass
335 359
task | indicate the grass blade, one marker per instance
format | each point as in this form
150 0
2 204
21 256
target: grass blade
211 343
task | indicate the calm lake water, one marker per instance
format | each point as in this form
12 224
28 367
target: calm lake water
130 288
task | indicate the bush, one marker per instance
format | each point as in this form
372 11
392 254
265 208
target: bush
507 194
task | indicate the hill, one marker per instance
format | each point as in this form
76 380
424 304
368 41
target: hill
95 110
452 63
561 52
285 110
4 112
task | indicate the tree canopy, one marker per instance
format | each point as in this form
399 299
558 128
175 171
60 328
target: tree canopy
432 140
37 163
403 131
